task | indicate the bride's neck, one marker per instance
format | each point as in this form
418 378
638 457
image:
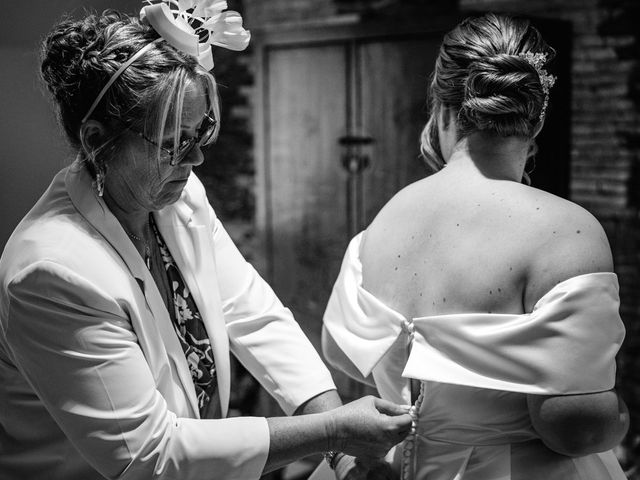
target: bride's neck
492 156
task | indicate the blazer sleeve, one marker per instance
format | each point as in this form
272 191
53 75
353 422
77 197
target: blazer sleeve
76 347
263 334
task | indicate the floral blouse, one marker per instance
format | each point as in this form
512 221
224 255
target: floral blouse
190 329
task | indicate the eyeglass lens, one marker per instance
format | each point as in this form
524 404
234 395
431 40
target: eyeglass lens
202 137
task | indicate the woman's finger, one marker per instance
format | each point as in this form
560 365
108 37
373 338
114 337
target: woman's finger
390 408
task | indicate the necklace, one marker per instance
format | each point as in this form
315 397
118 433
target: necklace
147 249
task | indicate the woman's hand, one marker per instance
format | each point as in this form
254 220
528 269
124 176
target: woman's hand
368 427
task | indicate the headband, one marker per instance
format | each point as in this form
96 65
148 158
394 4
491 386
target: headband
191 26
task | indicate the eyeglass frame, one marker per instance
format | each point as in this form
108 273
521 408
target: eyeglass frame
184 147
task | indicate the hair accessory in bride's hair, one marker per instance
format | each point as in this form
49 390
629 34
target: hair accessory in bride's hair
191 26
538 61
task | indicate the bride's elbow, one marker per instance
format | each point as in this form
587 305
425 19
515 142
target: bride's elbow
577 425
579 443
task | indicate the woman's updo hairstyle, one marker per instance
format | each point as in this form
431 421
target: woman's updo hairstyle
80 56
482 76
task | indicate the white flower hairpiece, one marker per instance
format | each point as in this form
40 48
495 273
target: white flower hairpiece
191 26
538 61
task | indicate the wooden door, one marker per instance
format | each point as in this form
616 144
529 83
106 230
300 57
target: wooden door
314 89
307 95
393 81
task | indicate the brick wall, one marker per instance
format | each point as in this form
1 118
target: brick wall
605 173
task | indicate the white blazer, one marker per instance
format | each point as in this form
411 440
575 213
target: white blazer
92 375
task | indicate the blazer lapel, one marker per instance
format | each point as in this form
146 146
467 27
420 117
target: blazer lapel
190 241
95 211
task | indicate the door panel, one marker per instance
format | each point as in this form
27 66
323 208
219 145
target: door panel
394 82
307 113
315 95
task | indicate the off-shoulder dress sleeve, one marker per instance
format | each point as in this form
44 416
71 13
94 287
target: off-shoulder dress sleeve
566 345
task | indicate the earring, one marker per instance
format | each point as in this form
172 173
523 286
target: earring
532 165
99 183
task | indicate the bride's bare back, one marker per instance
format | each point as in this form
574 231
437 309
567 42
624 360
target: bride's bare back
470 239
457 242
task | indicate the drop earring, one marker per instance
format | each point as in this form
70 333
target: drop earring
99 183
532 166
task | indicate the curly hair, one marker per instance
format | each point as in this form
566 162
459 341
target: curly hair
482 77
80 56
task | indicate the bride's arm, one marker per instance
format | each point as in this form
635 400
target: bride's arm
577 425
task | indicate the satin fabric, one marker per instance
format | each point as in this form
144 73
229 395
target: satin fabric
93 381
475 371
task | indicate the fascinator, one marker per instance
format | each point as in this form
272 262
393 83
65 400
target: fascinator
191 26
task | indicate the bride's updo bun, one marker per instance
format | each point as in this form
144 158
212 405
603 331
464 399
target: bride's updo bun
482 76
503 94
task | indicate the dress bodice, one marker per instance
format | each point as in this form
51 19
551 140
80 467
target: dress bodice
477 368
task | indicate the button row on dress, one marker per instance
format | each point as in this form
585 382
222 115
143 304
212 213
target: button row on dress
409 327
409 444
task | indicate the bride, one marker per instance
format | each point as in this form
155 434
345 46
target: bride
488 305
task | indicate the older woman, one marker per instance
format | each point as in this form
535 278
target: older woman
488 304
122 295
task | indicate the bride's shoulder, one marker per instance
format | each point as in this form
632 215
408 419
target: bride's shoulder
548 217
393 218
558 221
409 199
568 241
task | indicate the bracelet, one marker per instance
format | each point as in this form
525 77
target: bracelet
332 457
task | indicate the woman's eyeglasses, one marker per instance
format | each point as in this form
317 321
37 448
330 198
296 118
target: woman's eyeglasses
203 136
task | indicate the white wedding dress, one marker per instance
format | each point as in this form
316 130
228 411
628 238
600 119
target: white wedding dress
475 370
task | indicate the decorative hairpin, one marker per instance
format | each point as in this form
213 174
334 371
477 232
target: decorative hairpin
193 26
538 61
